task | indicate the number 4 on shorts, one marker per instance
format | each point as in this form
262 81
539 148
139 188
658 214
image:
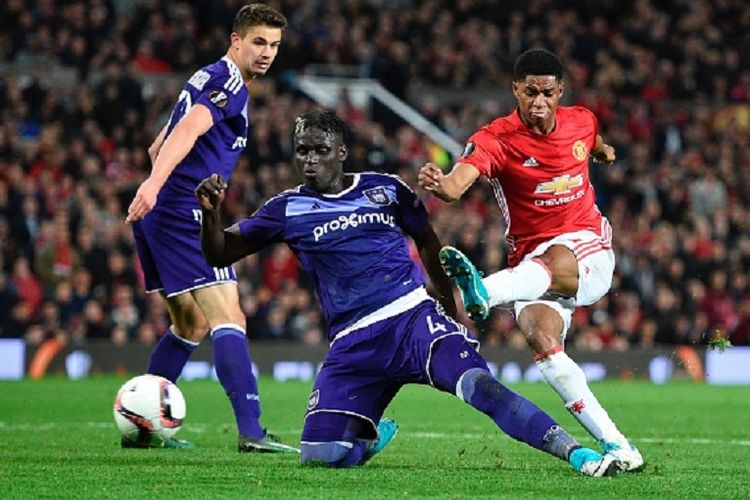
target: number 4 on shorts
436 326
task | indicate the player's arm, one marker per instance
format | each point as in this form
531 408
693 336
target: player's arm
448 187
603 152
428 245
153 149
173 150
221 247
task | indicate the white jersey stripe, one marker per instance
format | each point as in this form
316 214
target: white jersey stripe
606 231
583 248
234 83
591 251
502 202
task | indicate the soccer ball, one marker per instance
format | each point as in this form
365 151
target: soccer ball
149 409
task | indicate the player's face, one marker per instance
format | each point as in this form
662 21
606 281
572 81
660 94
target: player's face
255 52
538 97
319 157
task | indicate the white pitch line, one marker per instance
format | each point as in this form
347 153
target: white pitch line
200 428
470 435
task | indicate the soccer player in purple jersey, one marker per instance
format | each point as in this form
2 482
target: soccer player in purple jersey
350 232
206 132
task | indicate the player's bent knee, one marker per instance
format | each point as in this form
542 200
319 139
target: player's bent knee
331 453
453 356
479 380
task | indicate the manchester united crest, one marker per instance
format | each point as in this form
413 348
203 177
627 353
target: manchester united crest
580 151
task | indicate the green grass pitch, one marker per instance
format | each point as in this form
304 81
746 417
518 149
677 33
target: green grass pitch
58 440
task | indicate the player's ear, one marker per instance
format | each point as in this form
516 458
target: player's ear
562 87
343 152
234 40
514 87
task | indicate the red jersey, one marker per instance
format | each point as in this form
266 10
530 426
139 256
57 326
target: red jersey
541 182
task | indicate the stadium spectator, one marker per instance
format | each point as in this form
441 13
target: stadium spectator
618 57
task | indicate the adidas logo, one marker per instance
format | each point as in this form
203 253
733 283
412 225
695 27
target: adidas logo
315 206
531 162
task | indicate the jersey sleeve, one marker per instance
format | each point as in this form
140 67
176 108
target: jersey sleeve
595 125
412 214
225 95
485 152
266 226
586 120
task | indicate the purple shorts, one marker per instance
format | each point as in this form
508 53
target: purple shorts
168 244
364 370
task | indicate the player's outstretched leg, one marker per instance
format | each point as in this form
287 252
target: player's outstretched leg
468 280
524 421
569 381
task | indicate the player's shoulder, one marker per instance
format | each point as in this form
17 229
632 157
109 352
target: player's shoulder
374 177
368 179
222 73
576 112
284 196
502 126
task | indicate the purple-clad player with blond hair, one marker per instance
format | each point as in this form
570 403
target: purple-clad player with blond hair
206 132
350 232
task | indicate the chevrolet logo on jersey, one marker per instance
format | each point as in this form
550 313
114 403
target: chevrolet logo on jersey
559 185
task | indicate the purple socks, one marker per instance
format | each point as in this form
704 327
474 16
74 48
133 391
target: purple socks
234 369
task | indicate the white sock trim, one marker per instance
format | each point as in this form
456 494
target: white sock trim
230 326
183 339
459 390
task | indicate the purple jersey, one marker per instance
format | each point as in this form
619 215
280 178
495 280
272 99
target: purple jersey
219 87
352 243
168 238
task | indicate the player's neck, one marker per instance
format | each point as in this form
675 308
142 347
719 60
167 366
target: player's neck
247 77
339 185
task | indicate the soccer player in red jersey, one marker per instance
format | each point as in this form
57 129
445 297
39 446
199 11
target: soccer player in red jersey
559 244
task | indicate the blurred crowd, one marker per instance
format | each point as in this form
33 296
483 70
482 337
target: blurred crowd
85 85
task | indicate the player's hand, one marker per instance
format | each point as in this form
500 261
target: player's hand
605 154
430 176
211 191
143 201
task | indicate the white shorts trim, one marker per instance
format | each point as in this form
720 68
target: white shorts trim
402 304
193 288
344 412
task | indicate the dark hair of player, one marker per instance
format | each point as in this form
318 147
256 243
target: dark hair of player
327 121
257 14
537 62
